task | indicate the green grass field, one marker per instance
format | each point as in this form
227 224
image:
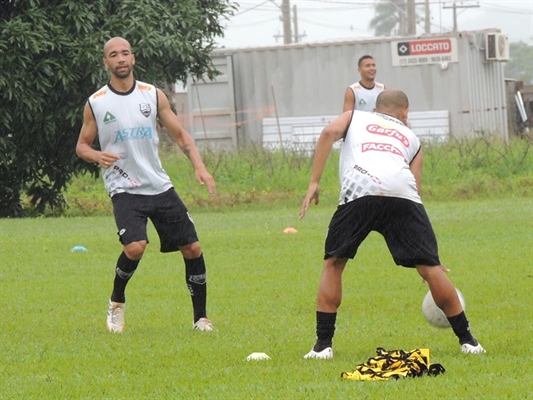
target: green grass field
262 287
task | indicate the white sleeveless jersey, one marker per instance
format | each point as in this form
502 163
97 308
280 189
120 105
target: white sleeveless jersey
127 125
365 99
375 158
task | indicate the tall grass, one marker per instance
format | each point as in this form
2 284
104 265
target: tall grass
262 290
477 168
255 177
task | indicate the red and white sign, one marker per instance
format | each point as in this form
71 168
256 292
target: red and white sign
424 51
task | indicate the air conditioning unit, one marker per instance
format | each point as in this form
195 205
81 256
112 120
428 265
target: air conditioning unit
496 47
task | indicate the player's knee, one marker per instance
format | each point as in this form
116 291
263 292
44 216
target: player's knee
429 273
191 251
135 250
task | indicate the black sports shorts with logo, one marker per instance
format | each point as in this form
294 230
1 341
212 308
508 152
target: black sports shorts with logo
403 223
167 212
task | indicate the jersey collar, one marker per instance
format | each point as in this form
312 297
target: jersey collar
388 117
367 88
122 93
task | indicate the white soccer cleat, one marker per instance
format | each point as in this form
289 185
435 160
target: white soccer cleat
467 348
203 324
115 317
326 354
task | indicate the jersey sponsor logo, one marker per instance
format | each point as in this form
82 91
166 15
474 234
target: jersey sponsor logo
365 172
140 86
108 118
125 175
145 108
384 147
99 94
393 133
139 133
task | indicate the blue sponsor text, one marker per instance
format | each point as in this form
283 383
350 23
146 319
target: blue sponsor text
133 134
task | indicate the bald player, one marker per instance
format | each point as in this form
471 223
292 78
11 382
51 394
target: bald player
380 174
124 114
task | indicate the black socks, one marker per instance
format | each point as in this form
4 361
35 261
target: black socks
195 276
124 271
325 328
461 328
196 279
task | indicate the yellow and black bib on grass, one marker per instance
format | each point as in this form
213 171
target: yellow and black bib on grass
394 364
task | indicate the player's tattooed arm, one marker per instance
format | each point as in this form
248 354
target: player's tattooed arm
185 148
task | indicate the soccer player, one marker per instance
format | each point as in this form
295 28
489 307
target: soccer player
124 114
380 171
362 95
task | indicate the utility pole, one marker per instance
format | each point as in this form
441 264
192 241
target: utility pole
454 17
297 35
295 22
411 17
427 18
401 24
454 6
407 16
286 16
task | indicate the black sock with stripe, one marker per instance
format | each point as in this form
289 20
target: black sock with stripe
123 273
196 279
461 328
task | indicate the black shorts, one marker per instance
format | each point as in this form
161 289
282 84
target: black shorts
167 212
403 223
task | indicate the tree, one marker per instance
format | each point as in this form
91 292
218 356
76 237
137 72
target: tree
391 18
520 65
51 61
388 18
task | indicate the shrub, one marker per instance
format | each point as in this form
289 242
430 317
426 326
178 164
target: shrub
255 177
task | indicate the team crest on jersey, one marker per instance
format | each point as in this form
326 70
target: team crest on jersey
108 118
362 102
145 108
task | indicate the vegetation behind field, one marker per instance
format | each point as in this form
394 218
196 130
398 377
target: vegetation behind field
259 178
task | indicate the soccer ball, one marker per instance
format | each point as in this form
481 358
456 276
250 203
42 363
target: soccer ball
433 314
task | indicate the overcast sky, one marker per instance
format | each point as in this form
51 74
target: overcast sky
257 22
